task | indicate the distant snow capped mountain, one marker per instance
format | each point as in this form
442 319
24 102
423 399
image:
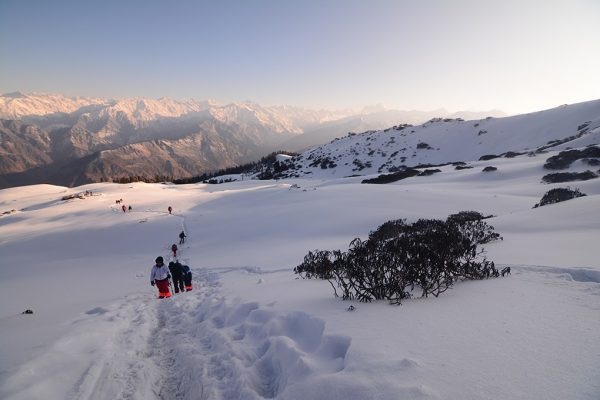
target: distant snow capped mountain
140 109
17 105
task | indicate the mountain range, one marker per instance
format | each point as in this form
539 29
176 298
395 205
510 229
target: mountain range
51 138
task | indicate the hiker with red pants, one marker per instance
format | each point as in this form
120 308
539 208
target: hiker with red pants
123 208
170 209
160 277
174 250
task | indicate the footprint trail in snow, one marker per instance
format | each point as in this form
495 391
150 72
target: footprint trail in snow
197 345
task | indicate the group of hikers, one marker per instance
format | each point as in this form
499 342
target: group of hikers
179 274
129 208
176 275
161 276
123 207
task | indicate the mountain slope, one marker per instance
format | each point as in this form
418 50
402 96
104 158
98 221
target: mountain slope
374 118
451 140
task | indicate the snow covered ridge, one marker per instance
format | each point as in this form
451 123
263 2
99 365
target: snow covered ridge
442 141
16 105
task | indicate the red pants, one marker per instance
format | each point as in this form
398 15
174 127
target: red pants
163 288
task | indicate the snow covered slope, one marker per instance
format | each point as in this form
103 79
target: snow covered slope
452 140
251 330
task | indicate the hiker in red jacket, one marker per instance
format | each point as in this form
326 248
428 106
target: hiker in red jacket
174 250
124 208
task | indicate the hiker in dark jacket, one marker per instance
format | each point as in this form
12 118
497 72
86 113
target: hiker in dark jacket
177 275
187 277
182 237
174 250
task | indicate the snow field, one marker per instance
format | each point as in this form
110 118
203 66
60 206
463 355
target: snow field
251 330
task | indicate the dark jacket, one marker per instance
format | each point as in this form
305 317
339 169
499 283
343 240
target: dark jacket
176 270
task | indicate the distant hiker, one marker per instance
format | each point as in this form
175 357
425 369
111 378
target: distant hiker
124 208
170 209
160 277
130 208
174 250
177 274
187 277
182 237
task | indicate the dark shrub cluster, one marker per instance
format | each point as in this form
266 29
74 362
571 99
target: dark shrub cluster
489 169
428 172
399 259
147 179
459 167
393 177
486 157
214 181
324 163
423 145
471 225
360 165
560 177
559 194
512 154
267 168
564 159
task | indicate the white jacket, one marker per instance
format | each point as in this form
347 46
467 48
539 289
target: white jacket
159 273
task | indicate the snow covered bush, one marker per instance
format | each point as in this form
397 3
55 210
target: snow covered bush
564 159
428 172
393 177
459 167
400 259
557 195
594 162
471 225
316 264
487 157
560 177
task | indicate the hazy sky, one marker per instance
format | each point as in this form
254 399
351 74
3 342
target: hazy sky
515 55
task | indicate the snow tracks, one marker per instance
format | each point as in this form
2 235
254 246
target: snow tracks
195 345
207 348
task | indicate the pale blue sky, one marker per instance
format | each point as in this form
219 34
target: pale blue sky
518 56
